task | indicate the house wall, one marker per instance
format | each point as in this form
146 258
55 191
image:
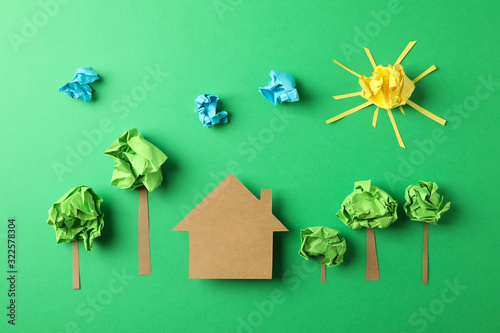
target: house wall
230 254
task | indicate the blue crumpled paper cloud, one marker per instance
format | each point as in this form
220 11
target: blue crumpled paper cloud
207 110
80 88
280 89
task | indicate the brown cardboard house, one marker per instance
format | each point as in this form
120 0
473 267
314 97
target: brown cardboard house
231 233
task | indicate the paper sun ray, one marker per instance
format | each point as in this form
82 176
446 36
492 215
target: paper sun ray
387 88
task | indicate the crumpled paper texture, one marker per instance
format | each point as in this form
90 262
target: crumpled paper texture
280 89
207 110
80 88
368 206
388 87
77 215
139 162
323 241
423 203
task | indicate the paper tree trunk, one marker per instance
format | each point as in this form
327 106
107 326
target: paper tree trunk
76 266
372 272
323 271
426 254
144 252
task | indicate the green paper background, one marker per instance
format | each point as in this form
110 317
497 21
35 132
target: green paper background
310 166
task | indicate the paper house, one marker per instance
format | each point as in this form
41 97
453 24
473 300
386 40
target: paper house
231 233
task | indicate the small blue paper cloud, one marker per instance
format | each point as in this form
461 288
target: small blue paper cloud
280 89
80 88
207 110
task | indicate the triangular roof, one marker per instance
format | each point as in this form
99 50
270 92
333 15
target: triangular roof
230 204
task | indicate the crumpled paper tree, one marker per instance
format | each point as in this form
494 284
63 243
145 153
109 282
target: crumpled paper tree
77 215
370 207
207 111
139 166
387 88
139 162
280 89
80 88
323 241
424 204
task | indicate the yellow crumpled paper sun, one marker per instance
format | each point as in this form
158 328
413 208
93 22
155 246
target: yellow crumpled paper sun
388 87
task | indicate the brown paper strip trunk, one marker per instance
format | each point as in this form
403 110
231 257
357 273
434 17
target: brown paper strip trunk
144 252
323 271
426 254
372 272
76 266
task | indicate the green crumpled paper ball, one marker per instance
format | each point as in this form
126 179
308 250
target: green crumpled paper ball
323 241
423 203
77 215
139 162
368 206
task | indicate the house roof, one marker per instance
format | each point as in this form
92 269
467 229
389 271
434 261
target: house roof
232 205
